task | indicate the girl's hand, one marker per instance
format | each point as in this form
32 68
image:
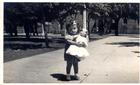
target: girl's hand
80 44
83 44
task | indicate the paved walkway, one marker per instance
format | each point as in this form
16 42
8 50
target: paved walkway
112 60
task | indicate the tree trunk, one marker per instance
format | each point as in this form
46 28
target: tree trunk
26 28
61 25
44 26
61 28
45 33
88 28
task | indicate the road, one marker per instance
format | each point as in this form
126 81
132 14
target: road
113 59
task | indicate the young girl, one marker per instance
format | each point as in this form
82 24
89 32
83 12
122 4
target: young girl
71 60
79 51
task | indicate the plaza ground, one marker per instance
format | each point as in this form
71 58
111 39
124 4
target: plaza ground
114 59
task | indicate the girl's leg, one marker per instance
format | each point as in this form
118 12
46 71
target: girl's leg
68 69
75 65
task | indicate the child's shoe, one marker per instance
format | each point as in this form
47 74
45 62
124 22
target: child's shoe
76 77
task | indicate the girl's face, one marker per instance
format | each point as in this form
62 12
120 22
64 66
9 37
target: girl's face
74 29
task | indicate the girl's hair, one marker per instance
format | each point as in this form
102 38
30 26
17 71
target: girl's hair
68 26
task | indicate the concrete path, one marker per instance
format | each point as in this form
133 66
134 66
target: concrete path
112 60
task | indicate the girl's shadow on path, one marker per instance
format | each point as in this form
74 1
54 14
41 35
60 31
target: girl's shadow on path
61 77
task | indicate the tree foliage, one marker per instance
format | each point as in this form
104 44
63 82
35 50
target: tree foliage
20 12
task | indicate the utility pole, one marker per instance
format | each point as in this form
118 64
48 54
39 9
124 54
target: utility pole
85 21
84 18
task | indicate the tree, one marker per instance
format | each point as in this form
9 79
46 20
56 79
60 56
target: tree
10 18
25 13
97 11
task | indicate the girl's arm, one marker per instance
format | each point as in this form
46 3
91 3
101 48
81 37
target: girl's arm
72 42
69 40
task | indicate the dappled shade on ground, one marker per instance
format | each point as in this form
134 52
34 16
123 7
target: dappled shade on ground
17 48
124 44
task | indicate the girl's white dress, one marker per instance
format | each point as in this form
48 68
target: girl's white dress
78 51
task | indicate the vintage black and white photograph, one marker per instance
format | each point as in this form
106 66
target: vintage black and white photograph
71 42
